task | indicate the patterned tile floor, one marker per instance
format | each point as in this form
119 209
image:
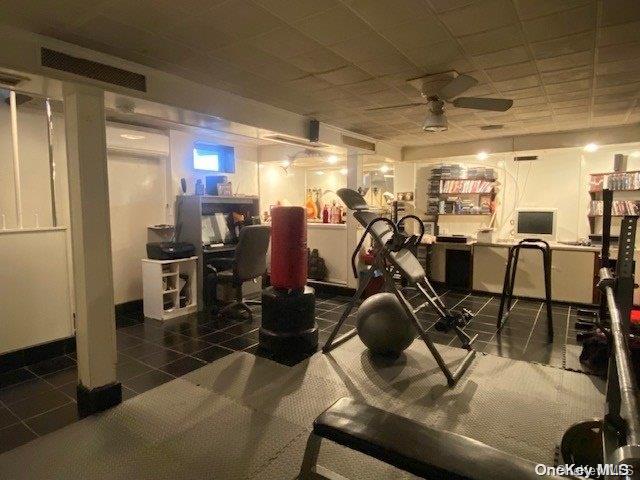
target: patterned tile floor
40 398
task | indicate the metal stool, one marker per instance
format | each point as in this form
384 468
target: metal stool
510 278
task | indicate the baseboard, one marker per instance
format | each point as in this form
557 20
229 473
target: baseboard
132 306
37 353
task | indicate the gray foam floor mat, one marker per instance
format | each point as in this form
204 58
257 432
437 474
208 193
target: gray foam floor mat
247 417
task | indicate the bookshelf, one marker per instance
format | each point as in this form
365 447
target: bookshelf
625 186
455 190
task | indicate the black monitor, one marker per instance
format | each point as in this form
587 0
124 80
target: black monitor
536 223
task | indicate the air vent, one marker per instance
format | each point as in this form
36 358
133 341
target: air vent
296 141
525 158
491 127
11 79
358 143
93 70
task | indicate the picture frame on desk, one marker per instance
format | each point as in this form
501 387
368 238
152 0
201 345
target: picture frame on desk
430 228
225 189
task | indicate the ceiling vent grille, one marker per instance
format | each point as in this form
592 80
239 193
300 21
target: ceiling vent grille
93 70
491 127
358 143
525 158
11 79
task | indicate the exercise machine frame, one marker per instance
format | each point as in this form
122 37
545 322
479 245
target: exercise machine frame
388 244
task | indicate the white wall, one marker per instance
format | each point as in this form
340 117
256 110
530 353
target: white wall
558 179
278 186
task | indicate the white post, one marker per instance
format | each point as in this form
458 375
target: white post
354 180
16 157
91 245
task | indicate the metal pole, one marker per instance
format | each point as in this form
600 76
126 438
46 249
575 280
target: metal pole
52 164
16 157
626 380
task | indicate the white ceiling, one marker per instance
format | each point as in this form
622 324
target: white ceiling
568 64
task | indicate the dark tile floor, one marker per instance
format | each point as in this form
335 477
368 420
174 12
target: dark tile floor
40 398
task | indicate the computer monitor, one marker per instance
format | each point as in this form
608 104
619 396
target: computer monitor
215 229
536 223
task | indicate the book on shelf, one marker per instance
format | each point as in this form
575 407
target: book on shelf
614 181
466 186
618 207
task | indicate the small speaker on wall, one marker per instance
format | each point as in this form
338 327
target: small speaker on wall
314 130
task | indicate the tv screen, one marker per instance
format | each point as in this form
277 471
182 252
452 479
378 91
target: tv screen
213 158
535 222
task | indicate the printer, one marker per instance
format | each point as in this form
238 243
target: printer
170 250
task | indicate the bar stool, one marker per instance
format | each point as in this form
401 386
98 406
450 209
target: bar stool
510 278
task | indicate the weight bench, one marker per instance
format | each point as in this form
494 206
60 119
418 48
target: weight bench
407 445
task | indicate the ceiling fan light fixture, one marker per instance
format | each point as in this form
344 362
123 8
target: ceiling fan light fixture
435 121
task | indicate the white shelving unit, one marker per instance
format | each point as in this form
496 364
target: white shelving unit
170 287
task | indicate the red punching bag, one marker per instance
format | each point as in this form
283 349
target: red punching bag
288 248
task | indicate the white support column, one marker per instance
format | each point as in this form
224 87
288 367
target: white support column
91 242
354 180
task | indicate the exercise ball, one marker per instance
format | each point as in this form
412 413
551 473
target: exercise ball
383 325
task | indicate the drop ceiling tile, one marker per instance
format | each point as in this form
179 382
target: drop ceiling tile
388 65
619 11
583 109
528 9
106 31
242 18
525 102
199 34
309 84
564 45
568 95
380 14
318 61
630 88
365 47
611 107
277 70
294 10
424 32
561 24
432 59
573 86
517 83
524 92
567 75
492 40
285 43
578 102
333 26
616 97
479 17
617 79
156 16
366 87
624 51
622 33
344 75
509 72
623 66
500 58
566 61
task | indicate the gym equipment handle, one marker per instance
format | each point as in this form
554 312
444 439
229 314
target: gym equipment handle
417 219
364 235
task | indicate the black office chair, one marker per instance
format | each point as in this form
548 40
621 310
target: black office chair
249 262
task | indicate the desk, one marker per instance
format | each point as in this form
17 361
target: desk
218 251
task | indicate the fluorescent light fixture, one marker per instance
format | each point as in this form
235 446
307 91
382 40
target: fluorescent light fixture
482 155
591 147
435 121
319 172
384 168
332 159
344 171
131 136
389 176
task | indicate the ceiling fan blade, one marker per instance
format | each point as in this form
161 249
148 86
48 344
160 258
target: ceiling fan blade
457 86
493 104
405 105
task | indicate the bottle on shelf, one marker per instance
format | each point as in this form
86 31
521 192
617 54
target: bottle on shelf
310 205
325 214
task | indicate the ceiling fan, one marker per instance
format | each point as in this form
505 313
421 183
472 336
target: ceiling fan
444 88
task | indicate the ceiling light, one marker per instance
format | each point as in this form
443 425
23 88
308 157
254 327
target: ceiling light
482 155
384 168
591 147
319 172
131 136
435 121
286 163
344 171
332 159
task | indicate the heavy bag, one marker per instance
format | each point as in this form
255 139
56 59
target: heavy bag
288 248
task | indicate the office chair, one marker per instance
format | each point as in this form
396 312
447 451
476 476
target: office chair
249 262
